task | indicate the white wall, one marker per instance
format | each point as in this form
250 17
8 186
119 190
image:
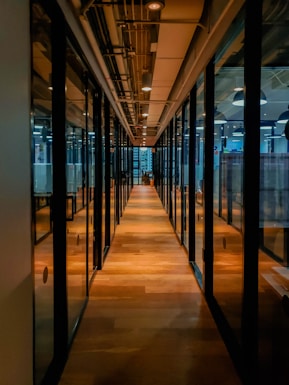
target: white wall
15 214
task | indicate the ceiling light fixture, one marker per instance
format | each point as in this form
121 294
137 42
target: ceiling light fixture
154 5
219 118
145 110
284 117
266 125
238 132
239 98
147 81
236 89
239 84
50 82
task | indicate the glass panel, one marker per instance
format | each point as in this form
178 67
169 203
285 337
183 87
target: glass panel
42 174
112 178
274 194
124 169
103 157
169 168
91 180
178 179
228 160
165 169
137 171
199 177
174 176
42 190
76 187
186 175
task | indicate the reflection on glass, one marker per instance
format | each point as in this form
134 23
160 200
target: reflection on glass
42 174
178 175
228 183
76 184
199 177
112 177
165 169
273 209
91 181
186 175
42 190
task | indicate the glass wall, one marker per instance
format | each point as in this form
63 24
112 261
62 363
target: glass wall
274 215
77 118
228 158
124 170
91 184
199 178
165 170
112 143
185 184
178 173
229 137
103 157
41 126
64 243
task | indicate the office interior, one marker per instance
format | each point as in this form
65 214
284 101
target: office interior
75 142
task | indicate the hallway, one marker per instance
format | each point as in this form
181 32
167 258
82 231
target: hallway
146 321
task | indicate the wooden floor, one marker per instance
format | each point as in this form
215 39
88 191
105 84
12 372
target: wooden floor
147 322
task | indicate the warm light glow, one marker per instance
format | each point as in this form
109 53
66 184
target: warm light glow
147 81
154 5
146 88
239 99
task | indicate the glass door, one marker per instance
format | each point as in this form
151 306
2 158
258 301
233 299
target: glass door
42 162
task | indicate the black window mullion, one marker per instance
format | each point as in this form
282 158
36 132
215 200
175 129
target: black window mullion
58 37
208 179
251 178
97 123
192 174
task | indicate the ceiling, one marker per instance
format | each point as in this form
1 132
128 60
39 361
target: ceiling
133 41
122 40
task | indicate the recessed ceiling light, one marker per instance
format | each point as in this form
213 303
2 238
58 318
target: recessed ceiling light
154 5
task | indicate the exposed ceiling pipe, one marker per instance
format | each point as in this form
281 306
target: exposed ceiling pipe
86 7
91 52
119 58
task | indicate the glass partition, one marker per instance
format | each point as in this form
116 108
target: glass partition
178 173
42 174
124 177
76 182
91 185
274 194
41 147
103 158
229 137
186 152
199 178
174 172
112 176
227 187
165 170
